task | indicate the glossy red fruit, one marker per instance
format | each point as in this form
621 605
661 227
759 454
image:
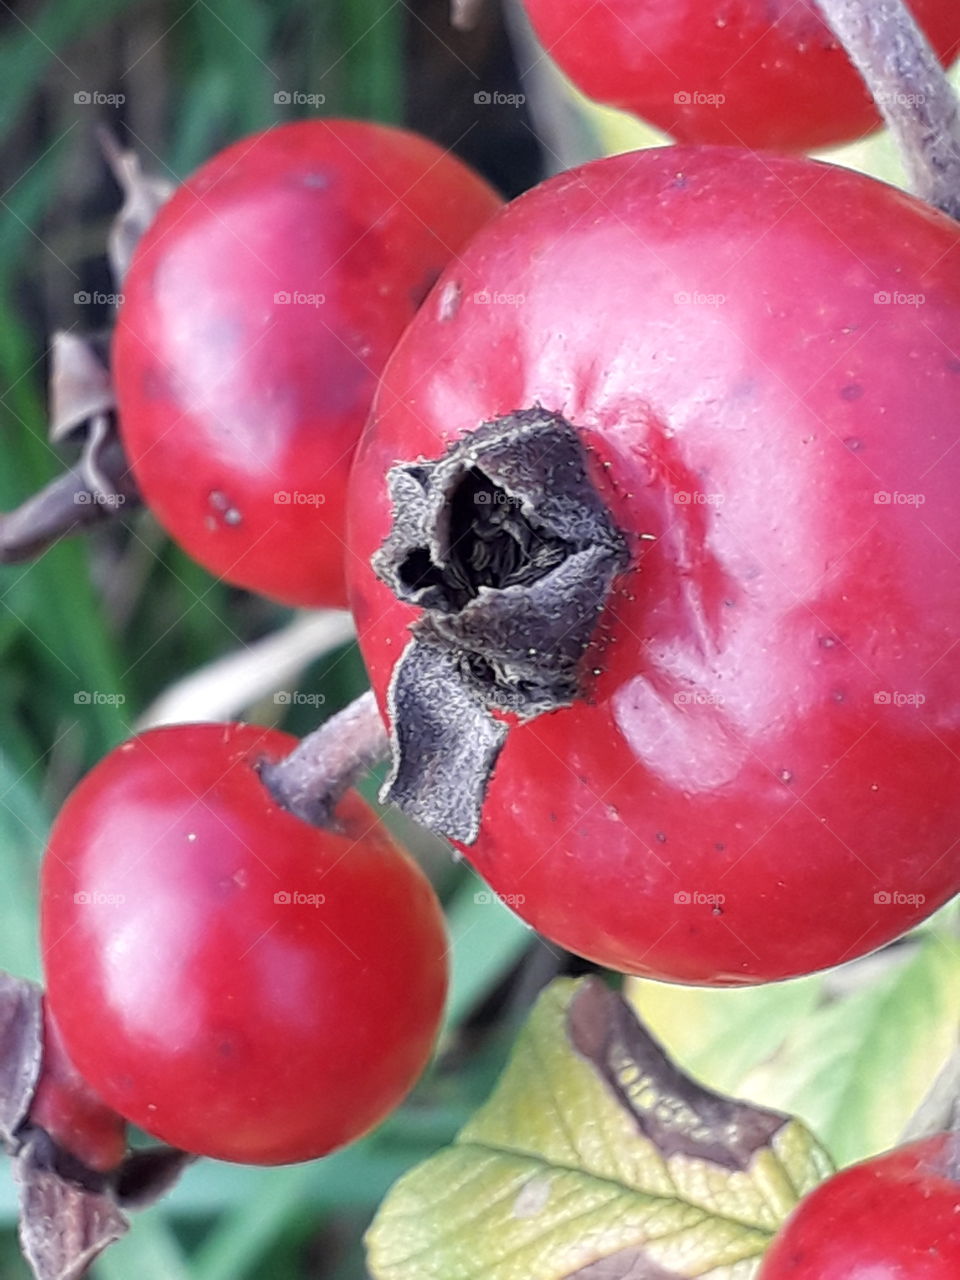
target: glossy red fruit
896 1217
761 359
259 312
236 982
68 1109
755 73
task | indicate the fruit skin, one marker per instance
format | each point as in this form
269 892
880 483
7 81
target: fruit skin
202 1006
227 396
783 80
896 1217
751 789
71 1113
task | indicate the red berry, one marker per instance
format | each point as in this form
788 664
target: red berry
259 311
896 1217
68 1109
760 357
236 982
756 73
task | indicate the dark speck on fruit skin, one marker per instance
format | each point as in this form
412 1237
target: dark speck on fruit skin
319 181
829 642
419 293
661 837
719 846
853 443
853 391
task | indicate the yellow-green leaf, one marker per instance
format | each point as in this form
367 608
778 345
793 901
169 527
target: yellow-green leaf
597 1158
721 1034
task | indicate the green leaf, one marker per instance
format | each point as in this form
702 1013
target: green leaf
720 1035
373 38
27 51
150 1252
23 829
244 1235
859 1066
597 1157
486 941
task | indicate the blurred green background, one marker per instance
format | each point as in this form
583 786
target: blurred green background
125 616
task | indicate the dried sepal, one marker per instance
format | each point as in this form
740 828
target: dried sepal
21 1051
510 552
80 388
143 196
65 1222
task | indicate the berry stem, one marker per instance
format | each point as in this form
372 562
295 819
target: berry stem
72 501
910 88
311 780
